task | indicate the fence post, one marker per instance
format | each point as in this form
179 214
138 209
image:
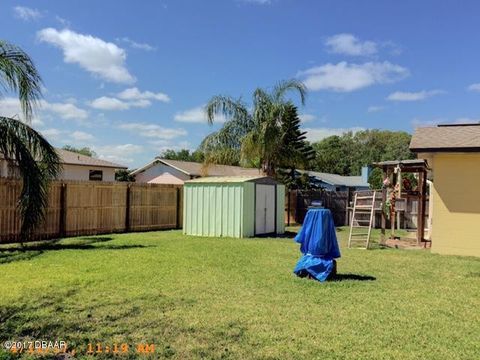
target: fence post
288 206
178 208
347 204
384 220
127 210
63 211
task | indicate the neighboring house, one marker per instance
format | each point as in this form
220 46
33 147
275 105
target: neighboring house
163 171
453 153
334 182
74 167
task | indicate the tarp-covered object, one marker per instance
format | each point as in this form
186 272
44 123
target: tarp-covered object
319 245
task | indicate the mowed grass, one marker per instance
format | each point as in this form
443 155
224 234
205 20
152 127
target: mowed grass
221 298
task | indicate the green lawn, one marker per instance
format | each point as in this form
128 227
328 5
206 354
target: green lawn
238 299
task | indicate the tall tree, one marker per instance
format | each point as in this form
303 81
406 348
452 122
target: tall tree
254 133
295 151
335 154
347 153
124 175
183 155
22 146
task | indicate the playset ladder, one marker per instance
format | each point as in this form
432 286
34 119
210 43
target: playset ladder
362 220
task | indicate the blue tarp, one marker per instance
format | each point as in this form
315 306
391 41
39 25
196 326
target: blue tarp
318 244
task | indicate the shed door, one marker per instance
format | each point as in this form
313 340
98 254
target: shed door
265 209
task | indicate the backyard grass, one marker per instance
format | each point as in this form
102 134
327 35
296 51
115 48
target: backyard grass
220 298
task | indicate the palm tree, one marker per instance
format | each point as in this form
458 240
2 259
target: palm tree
21 145
257 133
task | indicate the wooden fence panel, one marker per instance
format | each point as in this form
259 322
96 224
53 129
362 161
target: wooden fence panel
153 207
49 228
78 208
95 208
9 215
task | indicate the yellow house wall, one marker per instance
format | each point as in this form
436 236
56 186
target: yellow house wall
456 204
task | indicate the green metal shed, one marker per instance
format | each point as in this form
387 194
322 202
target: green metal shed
234 206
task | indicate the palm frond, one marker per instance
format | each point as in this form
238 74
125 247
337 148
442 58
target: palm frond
226 106
38 163
18 74
251 147
285 86
261 137
221 155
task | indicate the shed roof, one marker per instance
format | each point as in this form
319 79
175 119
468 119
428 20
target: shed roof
232 180
446 138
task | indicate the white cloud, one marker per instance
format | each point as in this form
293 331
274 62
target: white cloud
67 111
348 44
374 108
26 13
52 134
413 96
118 153
346 77
259 2
109 103
306 117
10 107
78 138
127 99
474 87
317 134
62 21
197 115
101 58
135 94
137 45
162 145
417 122
82 136
153 130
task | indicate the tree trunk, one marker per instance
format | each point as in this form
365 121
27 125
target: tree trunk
268 168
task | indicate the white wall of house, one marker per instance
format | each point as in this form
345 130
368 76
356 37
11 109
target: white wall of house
159 171
82 173
69 172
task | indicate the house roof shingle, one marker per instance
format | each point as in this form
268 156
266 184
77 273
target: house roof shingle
454 138
72 158
199 169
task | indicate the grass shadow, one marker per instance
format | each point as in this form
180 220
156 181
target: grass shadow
32 250
286 235
354 277
72 315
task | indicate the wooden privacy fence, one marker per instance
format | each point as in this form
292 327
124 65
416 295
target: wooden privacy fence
87 208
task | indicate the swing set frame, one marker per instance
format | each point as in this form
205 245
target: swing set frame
396 168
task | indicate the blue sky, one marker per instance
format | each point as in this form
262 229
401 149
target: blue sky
129 79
